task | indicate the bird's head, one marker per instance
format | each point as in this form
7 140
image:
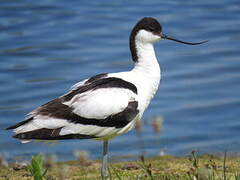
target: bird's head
149 30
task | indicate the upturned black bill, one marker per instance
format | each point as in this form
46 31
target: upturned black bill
184 42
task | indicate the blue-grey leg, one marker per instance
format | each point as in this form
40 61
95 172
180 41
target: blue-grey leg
104 170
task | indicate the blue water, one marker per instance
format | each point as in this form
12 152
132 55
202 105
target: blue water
46 46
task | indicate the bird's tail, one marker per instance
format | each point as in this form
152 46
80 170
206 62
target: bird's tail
28 130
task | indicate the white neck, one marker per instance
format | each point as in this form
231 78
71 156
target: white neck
147 62
146 73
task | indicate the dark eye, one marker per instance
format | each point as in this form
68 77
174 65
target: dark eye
151 29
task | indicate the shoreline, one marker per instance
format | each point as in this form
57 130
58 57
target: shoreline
163 167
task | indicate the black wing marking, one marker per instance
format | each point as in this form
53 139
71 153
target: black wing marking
111 82
96 77
56 109
118 120
50 134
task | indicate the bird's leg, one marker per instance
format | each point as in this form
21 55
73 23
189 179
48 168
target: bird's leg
104 170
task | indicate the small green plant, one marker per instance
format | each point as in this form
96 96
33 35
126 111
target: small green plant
118 176
194 159
36 167
237 176
147 167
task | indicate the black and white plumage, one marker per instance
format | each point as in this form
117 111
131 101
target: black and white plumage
105 105
89 110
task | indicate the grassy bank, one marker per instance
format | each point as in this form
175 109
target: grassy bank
160 168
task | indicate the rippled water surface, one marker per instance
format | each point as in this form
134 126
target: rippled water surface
46 46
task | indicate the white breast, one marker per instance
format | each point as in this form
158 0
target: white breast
146 83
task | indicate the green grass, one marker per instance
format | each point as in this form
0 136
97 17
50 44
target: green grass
193 167
36 168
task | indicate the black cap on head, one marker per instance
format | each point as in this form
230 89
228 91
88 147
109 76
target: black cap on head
148 24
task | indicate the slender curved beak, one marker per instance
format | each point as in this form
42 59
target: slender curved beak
163 36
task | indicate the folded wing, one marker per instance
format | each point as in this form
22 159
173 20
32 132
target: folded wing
95 108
